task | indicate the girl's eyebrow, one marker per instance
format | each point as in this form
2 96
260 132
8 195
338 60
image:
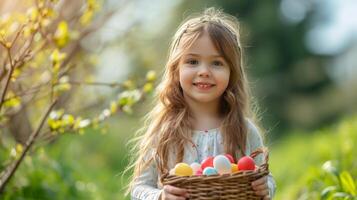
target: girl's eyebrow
198 55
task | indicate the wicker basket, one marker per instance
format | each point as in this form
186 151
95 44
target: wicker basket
227 186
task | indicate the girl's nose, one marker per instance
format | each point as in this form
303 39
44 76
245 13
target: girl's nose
204 71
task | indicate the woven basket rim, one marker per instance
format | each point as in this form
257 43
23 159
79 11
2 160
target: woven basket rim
263 169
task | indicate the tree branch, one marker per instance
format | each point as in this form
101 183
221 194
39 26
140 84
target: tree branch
12 68
12 168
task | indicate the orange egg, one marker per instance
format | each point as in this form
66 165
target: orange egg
234 168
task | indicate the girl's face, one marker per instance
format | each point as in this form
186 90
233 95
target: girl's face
203 72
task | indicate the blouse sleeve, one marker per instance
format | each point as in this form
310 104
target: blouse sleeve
255 140
145 186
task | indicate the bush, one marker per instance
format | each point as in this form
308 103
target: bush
318 165
75 167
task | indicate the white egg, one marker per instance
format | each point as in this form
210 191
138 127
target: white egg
195 166
222 164
172 171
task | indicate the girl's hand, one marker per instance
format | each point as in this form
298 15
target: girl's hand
170 192
260 187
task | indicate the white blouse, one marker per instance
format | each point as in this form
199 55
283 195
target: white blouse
206 143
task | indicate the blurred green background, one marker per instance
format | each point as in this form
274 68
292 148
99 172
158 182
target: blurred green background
301 61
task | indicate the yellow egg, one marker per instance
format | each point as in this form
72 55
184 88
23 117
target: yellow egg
183 169
234 168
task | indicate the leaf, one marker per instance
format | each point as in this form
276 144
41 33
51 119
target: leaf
62 87
113 107
329 168
84 123
325 192
2 33
61 35
129 84
86 17
347 183
68 119
129 97
32 13
15 74
148 87
91 8
57 56
127 109
339 195
151 76
13 102
19 148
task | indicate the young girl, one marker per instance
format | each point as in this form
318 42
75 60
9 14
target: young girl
202 108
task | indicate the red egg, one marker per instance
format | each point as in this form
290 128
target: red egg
246 163
208 162
230 158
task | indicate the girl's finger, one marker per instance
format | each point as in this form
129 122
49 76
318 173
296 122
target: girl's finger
260 187
173 197
259 181
262 192
175 190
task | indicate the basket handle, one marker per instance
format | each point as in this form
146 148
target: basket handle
265 153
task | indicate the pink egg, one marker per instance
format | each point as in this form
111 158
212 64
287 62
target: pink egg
230 157
199 172
195 166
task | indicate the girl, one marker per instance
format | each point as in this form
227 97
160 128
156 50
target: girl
202 108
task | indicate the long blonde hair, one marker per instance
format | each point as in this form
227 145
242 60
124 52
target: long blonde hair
169 122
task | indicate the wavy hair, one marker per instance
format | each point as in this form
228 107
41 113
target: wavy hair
168 124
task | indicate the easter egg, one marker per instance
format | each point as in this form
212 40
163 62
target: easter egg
230 157
195 166
246 163
234 168
210 171
222 164
172 171
198 172
208 162
183 169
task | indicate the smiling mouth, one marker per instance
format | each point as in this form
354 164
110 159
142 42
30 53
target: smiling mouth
203 85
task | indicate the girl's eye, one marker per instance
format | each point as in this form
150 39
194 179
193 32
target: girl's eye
192 62
217 63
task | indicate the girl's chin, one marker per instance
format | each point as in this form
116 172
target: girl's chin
201 97
205 99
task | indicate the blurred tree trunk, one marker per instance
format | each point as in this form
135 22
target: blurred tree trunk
20 126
